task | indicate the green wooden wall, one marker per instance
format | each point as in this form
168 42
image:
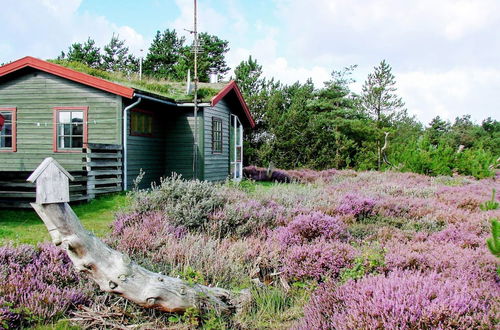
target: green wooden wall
179 143
217 165
34 94
147 153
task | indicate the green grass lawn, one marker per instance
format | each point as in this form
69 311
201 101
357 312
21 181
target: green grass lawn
25 227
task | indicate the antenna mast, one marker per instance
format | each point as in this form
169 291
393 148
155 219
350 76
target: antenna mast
195 48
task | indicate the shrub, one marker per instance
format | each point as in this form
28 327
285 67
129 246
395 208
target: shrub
370 262
305 228
144 233
245 217
152 240
402 300
358 206
37 285
317 261
187 203
262 174
468 197
445 258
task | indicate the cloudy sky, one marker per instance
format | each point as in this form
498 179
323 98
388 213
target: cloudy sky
445 53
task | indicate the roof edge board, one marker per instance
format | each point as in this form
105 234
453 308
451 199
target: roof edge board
67 73
233 86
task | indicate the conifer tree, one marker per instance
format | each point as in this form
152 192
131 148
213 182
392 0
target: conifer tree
116 57
87 53
379 96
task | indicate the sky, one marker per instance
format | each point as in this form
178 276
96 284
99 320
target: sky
445 54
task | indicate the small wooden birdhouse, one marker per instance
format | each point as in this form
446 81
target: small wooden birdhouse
52 182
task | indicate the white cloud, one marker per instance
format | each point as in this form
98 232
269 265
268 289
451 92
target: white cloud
43 28
451 93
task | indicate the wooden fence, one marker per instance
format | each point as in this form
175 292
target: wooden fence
104 168
102 174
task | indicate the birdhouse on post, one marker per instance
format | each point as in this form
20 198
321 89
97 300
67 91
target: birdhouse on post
52 182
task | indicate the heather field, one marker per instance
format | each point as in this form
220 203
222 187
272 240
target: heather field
328 250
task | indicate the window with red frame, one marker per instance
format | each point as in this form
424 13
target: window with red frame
8 131
70 129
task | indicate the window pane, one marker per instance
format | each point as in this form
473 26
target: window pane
64 117
150 125
65 129
77 116
67 142
8 142
61 143
77 142
140 123
77 129
7 129
7 116
238 154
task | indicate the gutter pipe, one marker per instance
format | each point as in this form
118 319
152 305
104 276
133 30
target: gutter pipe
125 126
155 99
125 135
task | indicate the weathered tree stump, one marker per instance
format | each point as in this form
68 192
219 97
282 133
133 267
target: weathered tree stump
112 270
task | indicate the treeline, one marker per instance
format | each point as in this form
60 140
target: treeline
300 125
168 57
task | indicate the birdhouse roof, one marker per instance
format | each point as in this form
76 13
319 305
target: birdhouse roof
41 168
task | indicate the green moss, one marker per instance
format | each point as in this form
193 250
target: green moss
174 90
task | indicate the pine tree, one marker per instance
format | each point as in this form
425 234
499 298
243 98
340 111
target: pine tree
211 58
87 53
116 57
164 55
248 76
379 93
379 98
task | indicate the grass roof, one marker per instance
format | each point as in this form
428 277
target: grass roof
174 90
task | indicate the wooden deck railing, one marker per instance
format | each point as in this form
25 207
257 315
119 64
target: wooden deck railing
102 173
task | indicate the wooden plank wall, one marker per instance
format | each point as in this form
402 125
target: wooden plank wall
35 94
179 144
147 152
217 165
16 192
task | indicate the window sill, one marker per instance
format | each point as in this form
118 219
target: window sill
69 151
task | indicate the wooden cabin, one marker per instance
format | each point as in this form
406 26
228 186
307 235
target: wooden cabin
104 132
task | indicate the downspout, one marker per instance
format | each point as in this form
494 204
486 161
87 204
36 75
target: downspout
125 135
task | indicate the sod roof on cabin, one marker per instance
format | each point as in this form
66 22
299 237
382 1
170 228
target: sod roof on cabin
173 90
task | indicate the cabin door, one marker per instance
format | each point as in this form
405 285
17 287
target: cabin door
236 148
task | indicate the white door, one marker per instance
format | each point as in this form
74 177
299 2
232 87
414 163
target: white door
236 157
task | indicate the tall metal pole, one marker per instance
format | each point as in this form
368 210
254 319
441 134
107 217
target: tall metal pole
140 66
195 145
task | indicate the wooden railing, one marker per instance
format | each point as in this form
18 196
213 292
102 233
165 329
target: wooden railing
104 168
102 174
16 192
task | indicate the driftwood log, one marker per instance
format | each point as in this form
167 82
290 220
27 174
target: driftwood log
114 272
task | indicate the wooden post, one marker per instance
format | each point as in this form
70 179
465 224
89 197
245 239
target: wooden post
90 175
112 270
